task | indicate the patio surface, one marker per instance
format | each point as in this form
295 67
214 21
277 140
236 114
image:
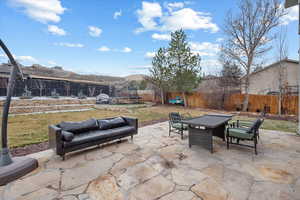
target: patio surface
156 166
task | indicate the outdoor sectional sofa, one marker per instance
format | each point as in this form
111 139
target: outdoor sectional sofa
71 136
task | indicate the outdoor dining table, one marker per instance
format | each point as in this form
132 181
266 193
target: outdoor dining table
202 129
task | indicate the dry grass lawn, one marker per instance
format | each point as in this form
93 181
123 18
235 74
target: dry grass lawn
31 129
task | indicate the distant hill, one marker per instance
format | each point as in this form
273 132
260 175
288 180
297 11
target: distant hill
59 72
135 77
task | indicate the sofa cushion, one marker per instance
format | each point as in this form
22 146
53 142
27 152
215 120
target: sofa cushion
105 124
67 136
79 127
95 135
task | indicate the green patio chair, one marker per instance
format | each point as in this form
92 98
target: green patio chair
244 133
175 124
246 124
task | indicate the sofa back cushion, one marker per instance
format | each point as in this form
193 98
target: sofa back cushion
111 123
79 127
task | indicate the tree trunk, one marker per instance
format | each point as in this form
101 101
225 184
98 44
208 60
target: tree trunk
246 98
280 102
184 99
162 96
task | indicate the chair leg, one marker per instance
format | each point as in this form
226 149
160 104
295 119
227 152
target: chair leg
255 145
227 138
63 157
169 131
182 134
227 142
237 141
131 137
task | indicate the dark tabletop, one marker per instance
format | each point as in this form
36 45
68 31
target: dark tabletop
209 121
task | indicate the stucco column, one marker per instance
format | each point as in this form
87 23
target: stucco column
299 71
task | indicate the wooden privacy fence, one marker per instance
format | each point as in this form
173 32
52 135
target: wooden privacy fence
257 103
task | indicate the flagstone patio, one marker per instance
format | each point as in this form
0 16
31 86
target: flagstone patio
156 166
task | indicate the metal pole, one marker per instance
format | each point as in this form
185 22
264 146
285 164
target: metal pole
5 158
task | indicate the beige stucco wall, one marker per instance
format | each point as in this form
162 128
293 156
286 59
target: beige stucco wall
268 80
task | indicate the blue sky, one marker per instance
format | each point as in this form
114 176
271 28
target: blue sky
115 37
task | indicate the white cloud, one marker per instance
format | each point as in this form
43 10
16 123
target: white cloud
147 15
211 66
140 67
157 36
152 18
219 39
26 59
51 62
41 10
29 59
150 54
174 5
126 50
103 49
66 44
117 14
94 31
55 30
190 19
205 48
292 15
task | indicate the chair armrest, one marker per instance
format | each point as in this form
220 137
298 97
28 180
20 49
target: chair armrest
55 139
231 124
132 122
186 116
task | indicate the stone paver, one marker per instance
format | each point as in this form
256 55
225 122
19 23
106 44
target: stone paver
156 166
75 191
105 187
152 189
186 176
42 194
69 198
180 195
135 175
72 178
209 189
270 191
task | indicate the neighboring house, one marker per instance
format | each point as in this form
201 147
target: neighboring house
213 84
267 80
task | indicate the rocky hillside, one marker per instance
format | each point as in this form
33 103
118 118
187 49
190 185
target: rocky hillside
59 72
135 77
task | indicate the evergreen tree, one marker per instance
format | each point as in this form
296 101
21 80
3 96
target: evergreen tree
160 72
183 64
230 75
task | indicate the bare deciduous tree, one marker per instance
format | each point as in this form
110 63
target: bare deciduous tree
248 34
282 51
